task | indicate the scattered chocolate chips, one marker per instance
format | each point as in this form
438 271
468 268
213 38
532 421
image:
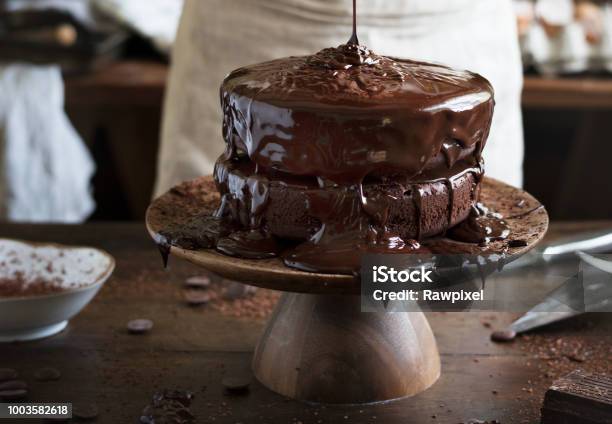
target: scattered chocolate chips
139 326
169 407
13 385
196 297
8 374
87 411
198 282
503 336
47 374
13 394
236 384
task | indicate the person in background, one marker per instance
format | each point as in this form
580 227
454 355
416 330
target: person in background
217 36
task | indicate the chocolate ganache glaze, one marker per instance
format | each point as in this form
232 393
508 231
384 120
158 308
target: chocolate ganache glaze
346 113
346 152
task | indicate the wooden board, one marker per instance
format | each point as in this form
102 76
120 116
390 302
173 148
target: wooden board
194 348
186 201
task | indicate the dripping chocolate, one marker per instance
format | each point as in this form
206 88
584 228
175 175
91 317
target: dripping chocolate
344 152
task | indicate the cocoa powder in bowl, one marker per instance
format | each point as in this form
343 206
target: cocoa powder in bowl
17 286
34 269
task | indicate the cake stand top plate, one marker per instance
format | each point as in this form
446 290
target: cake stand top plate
527 221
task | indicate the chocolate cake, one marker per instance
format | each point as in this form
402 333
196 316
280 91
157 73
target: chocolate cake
345 152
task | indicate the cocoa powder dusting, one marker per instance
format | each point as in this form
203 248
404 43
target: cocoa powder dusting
239 300
555 356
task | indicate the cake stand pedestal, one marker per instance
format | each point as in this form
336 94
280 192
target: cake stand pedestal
321 348
317 345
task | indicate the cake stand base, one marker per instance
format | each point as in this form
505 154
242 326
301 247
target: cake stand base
321 348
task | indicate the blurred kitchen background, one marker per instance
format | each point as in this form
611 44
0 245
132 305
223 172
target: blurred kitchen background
108 59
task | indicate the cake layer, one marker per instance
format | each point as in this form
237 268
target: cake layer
283 204
346 113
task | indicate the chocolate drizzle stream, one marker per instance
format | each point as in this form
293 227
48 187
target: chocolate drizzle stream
334 124
354 40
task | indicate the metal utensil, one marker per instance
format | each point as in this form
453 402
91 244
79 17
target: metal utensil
596 296
564 248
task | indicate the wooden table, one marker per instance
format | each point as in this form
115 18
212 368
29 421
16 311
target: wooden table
193 348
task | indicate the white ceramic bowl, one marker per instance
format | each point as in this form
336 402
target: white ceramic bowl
82 271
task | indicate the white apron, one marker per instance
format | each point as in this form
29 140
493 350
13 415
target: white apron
217 36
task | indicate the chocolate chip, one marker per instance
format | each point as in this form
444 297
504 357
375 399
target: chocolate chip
236 383
8 374
196 297
13 394
503 336
13 385
139 326
517 243
198 282
87 411
47 374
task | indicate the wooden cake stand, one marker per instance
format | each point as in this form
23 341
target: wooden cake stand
318 346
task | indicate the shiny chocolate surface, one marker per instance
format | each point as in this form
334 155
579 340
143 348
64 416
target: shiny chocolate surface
330 127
